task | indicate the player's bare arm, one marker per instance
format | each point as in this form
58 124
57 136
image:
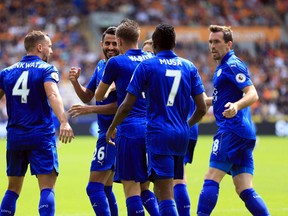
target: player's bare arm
83 93
107 109
120 115
250 96
66 133
208 100
101 91
200 110
111 88
2 93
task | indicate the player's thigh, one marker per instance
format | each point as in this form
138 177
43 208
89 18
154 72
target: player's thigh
215 174
100 176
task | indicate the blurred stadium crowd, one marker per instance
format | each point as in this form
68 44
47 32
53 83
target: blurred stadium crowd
66 23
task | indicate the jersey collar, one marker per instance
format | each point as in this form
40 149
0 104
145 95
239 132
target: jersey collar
166 53
227 56
30 58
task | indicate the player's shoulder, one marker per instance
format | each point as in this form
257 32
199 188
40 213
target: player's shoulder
186 61
101 62
236 65
11 67
115 59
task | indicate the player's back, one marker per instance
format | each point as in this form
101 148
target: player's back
119 69
170 81
29 113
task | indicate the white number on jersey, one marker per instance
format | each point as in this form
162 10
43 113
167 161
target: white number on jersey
177 77
99 154
20 87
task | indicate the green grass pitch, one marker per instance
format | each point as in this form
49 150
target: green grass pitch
270 180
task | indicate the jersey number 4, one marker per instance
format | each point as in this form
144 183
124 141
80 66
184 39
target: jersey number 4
177 77
20 87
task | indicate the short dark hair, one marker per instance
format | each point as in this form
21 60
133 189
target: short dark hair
110 30
227 32
128 30
164 37
32 38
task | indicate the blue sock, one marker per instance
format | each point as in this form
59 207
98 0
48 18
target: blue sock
208 197
47 202
111 200
8 205
182 199
150 202
98 199
168 207
254 202
134 206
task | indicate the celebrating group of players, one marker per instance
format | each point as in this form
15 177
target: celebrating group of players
154 99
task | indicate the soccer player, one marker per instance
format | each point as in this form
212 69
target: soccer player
168 81
131 167
235 139
99 188
31 91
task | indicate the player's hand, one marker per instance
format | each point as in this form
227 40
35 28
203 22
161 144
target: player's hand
66 133
77 110
110 133
231 110
74 74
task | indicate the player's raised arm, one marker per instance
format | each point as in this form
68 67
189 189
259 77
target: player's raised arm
83 93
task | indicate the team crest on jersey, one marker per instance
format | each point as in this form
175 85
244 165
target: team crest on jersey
219 72
240 77
55 76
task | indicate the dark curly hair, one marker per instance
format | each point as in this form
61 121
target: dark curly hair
164 37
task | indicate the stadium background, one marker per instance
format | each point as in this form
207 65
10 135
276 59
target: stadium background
75 26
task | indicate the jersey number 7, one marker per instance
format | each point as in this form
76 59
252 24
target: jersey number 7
177 77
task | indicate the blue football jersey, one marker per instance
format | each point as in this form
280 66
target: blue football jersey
119 69
168 82
104 121
29 113
230 77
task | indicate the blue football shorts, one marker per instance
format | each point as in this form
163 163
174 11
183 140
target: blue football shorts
104 155
190 151
131 161
42 161
165 166
232 154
